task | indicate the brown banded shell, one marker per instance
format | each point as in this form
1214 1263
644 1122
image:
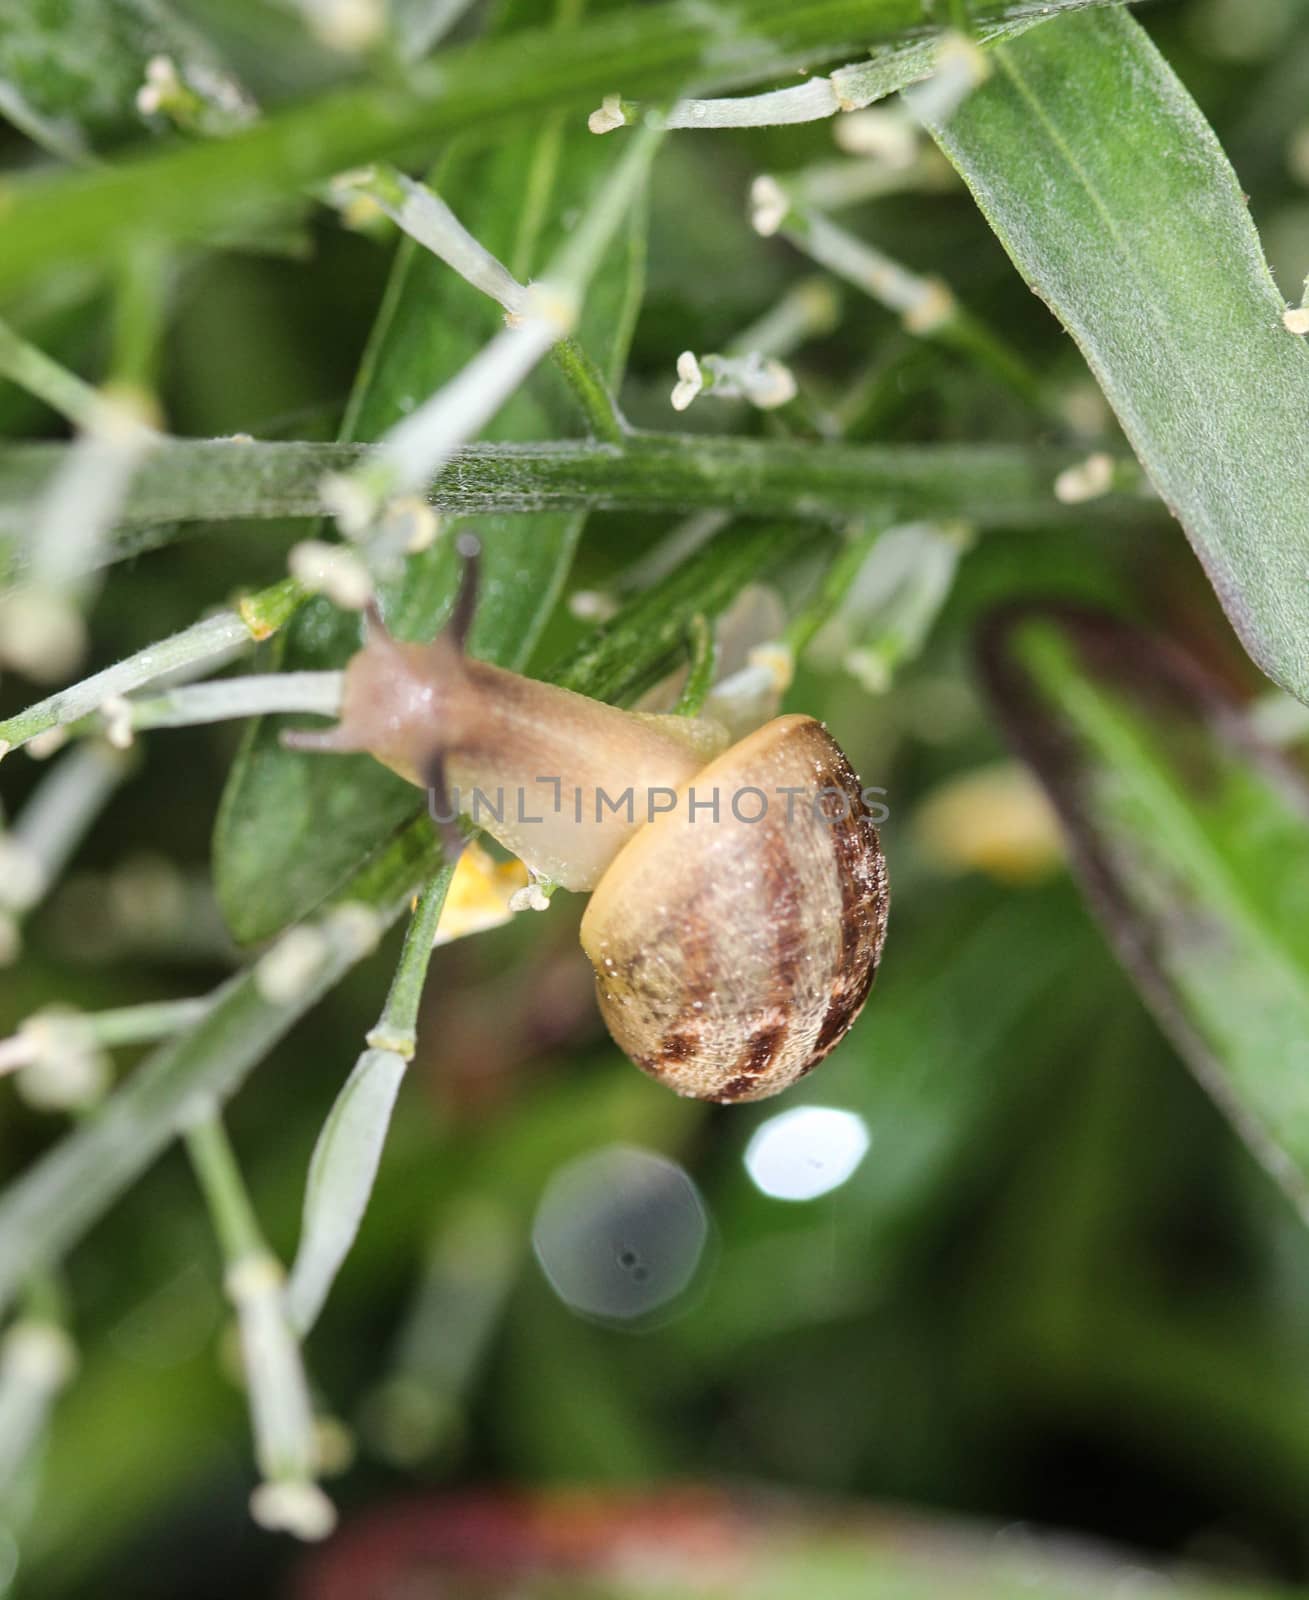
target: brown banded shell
731 955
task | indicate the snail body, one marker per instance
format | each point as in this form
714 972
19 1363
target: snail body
739 893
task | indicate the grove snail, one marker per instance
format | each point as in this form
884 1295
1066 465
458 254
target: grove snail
738 892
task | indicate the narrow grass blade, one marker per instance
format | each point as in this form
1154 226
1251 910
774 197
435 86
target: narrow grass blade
1109 190
1192 842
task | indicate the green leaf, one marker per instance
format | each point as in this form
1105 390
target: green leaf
1109 190
486 87
292 827
1192 843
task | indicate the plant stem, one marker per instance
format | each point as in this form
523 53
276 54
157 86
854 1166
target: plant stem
703 664
54 821
927 306
249 696
397 1027
421 213
807 309
37 1358
591 391
214 640
40 375
349 1148
669 552
840 575
142 1024
832 185
425 440
281 1411
648 637
989 485
425 217
203 647
141 295
224 1190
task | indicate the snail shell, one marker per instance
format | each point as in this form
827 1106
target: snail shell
731 956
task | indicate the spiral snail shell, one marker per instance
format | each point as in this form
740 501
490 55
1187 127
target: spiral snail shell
739 892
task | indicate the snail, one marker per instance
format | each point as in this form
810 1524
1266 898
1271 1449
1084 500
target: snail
738 891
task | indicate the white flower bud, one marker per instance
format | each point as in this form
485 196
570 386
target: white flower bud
301 1509
609 116
768 205
1088 480
690 381
332 570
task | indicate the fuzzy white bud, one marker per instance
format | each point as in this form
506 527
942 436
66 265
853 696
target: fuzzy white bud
609 116
690 381
768 205
1088 480
301 1509
116 713
332 570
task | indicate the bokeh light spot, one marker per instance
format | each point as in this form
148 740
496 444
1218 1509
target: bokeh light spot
620 1232
801 1154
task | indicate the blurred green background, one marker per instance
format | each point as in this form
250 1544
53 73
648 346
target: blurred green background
1056 1290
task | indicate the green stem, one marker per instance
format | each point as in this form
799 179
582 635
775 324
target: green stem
44 1298
397 1027
988 485
704 662
424 441
224 1190
63 391
592 393
143 1024
140 314
648 637
281 1410
202 647
928 307
245 695
840 575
